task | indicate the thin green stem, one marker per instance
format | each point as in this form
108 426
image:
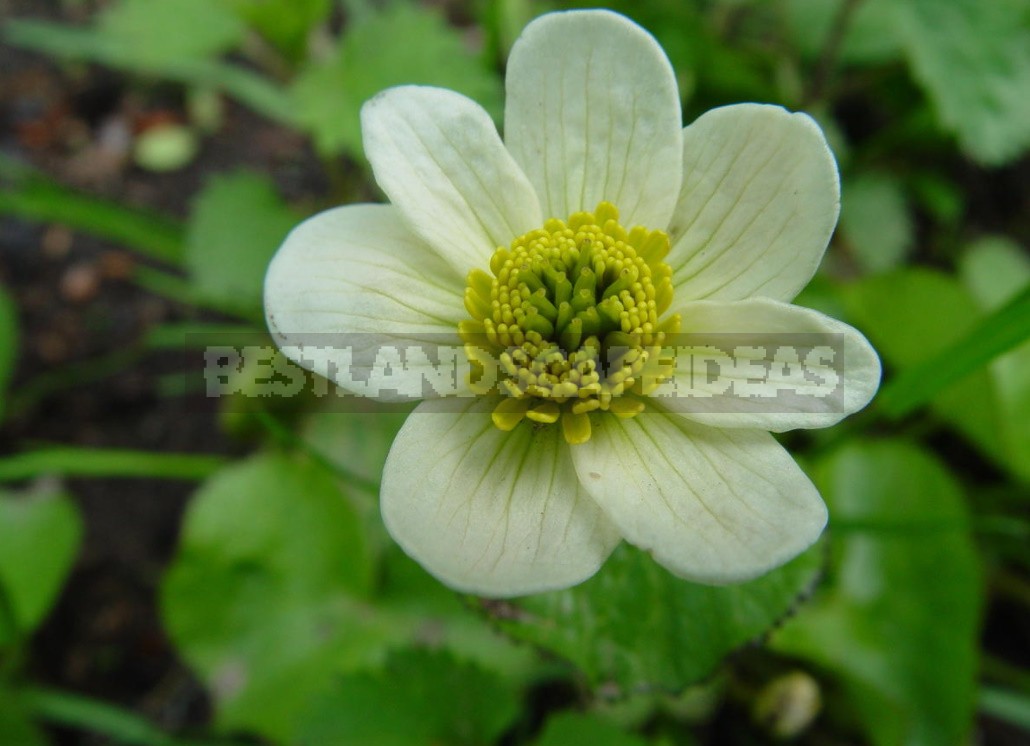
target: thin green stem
84 713
177 289
200 334
97 462
68 377
1003 672
830 52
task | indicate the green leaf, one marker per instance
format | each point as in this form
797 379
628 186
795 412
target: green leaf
8 344
1000 332
995 270
973 59
31 196
264 594
62 42
16 729
357 441
285 23
31 578
76 461
401 44
911 315
897 618
153 31
571 728
419 698
634 625
876 221
236 225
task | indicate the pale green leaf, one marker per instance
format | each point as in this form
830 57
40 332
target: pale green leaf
153 31
998 333
30 578
236 225
875 221
66 42
419 698
262 598
897 619
635 625
973 59
995 270
910 315
400 44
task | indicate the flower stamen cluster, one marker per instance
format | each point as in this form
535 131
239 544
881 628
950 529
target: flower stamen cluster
572 312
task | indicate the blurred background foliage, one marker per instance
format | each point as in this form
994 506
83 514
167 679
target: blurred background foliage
173 572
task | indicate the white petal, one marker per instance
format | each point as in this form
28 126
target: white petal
352 286
438 157
593 113
759 202
489 512
764 364
714 506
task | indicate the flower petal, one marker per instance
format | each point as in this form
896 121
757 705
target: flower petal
593 113
438 157
759 202
714 506
789 366
355 284
489 512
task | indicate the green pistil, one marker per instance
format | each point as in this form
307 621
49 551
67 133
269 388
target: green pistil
572 312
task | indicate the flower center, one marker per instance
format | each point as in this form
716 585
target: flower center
571 312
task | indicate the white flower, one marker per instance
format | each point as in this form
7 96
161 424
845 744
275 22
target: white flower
482 491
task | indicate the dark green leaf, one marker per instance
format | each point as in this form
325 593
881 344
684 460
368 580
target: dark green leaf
571 728
419 698
16 729
636 626
263 598
897 620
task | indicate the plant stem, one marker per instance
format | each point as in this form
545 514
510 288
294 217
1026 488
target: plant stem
100 462
830 53
83 713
